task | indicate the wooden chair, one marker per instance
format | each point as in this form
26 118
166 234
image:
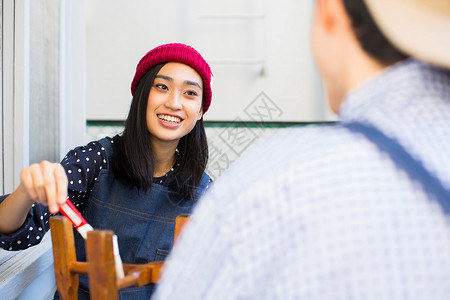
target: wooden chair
100 266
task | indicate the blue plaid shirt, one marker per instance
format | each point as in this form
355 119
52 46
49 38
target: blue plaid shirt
321 213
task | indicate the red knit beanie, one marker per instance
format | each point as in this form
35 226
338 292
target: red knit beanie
176 53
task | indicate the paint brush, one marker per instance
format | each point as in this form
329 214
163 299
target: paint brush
72 213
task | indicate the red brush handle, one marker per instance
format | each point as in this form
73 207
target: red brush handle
72 213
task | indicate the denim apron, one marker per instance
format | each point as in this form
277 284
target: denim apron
143 222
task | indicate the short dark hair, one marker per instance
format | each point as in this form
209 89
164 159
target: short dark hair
133 161
369 35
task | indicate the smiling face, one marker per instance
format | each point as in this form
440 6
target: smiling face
174 103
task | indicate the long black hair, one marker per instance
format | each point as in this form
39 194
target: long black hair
133 162
369 35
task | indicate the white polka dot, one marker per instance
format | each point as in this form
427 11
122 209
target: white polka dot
10 248
38 237
98 153
19 242
104 161
90 149
79 181
87 158
75 154
29 245
28 236
71 182
78 160
95 178
70 171
42 217
79 170
40 228
87 170
103 148
100 167
83 150
31 228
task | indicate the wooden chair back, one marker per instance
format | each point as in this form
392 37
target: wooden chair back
100 265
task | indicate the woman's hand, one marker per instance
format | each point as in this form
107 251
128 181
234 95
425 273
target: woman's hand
45 183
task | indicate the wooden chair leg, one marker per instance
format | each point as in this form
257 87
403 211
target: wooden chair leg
64 257
101 266
180 222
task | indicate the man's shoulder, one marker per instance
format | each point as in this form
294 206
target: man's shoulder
300 154
300 145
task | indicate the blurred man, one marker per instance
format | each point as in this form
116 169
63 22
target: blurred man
359 210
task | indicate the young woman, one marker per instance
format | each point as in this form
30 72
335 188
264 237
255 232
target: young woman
135 183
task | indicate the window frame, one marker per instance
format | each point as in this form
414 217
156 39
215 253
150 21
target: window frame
29 273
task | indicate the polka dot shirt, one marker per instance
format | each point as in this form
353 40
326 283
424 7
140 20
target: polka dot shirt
82 165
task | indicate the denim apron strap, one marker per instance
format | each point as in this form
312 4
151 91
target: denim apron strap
405 161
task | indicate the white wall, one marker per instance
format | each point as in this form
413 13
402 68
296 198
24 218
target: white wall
253 47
